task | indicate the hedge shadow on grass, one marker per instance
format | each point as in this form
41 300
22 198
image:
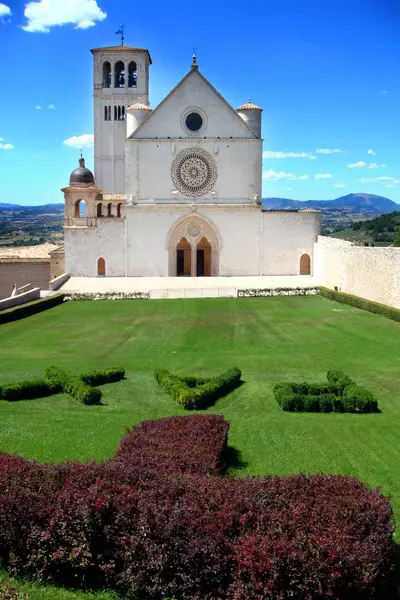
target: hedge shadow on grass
232 459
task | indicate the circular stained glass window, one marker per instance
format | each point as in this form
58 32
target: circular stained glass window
194 121
194 172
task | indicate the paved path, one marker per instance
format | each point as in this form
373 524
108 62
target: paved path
182 287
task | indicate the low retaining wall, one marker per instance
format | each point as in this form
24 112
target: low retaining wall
368 272
57 282
21 299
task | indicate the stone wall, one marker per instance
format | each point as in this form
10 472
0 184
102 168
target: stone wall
22 273
29 296
372 273
286 236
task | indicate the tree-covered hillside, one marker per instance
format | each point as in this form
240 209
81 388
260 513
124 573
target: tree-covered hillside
383 230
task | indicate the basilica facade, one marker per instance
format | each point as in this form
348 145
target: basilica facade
176 190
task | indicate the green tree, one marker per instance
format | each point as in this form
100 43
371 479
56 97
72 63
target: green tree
397 238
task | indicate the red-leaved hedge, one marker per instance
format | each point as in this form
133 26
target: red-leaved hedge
193 536
193 444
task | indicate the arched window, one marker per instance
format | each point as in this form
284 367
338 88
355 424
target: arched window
132 74
119 74
106 74
305 265
123 113
100 210
106 113
101 267
115 114
109 113
119 209
109 210
119 113
80 209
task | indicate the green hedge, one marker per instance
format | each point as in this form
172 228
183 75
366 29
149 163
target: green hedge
73 385
198 392
374 307
31 308
28 390
341 394
104 376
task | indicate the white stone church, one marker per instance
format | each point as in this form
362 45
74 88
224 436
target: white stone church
176 189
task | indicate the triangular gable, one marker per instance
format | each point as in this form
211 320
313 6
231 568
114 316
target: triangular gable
222 118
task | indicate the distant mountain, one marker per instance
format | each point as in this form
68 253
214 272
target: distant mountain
42 209
353 203
9 206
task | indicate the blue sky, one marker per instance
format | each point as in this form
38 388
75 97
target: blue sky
326 72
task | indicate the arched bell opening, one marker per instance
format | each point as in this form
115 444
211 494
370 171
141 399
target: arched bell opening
80 209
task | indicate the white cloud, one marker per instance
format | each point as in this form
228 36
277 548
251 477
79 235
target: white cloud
51 107
273 176
272 154
5 11
339 185
1 139
371 152
80 141
38 107
377 180
324 176
44 14
328 151
6 146
375 166
357 165
361 164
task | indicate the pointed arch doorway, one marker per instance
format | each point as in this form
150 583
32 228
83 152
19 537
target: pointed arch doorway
204 258
183 258
193 248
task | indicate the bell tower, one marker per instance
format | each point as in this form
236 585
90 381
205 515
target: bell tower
121 78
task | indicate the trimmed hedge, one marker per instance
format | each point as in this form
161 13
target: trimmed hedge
198 393
30 308
375 307
193 444
28 390
104 376
57 380
193 537
341 394
72 385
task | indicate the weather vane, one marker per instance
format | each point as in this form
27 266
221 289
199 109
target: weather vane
121 33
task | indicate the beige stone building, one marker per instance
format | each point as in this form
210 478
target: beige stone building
23 265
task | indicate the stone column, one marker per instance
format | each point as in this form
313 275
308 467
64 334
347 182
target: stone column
194 261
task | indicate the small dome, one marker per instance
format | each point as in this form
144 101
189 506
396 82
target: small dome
81 176
249 106
139 106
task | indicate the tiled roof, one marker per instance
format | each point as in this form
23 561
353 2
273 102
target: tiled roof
139 106
249 106
26 252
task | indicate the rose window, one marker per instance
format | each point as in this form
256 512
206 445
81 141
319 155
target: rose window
194 172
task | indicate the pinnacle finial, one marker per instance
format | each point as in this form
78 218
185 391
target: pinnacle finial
121 33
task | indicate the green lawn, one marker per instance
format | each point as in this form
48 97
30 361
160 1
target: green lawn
270 339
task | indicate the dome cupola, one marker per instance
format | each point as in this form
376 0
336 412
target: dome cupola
81 177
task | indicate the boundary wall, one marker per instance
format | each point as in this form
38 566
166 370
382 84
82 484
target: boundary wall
370 272
20 299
